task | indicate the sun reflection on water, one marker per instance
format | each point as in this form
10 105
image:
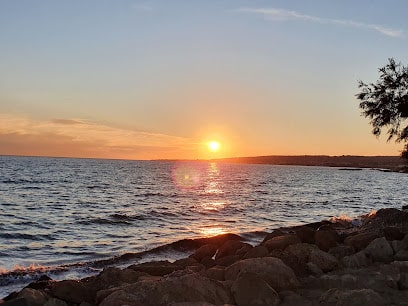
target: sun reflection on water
212 230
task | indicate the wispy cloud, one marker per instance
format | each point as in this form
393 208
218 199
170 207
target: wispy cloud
283 15
82 138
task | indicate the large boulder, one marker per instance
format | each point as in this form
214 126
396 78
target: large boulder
341 250
258 251
72 291
156 268
207 250
281 242
357 260
306 234
380 250
272 270
29 297
360 241
249 289
323 260
175 288
326 239
301 250
230 247
340 297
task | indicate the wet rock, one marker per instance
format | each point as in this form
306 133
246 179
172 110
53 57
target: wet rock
393 233
357 260
258 251
183 288
229 248
281 242
249 289
112 277
323 260
360 241
359 297
326 239
272 270
390 217
216 273
29 297
207 250
306 234
341 251
379 250
72 291
227 260
275 233
156 268
42 283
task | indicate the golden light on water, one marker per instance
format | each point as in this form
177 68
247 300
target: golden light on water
212 230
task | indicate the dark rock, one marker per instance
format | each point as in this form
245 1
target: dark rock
156 268
402 255
323 260
281 242
351 297
216 273
342 250
249 289
393 233
176 288
306 234
379 250
357 260
208 262
245 249
275 233
290 298
272 270
229 248
403 281
326 239
258 251
207 250
184 262
360 241
292 261
390 216
16 302
301 250
42 283
227 260
72 291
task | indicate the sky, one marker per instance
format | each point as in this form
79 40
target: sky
153 79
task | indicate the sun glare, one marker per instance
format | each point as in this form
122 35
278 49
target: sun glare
213 146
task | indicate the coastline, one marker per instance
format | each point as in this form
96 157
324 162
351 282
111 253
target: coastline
363 260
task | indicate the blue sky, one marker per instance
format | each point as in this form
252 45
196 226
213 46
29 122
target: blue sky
164 77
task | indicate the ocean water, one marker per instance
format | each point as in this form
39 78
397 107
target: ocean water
61 216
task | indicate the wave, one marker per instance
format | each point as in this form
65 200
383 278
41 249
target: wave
35 237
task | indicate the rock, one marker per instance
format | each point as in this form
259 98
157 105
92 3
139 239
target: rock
227 260
390 217
258 251
379 250
393 233
156 268
396 245
357 260
216 273
42 283
272 270
175 288
249 289
404 243
290 298
326 239
112 277
359 297
208 262
401 255
207 250
281 242
29 297
229 248
245 249
275 233
403 281
56 302
314 269
360 241
72 291
306 234
341 250
323 260
16 302
298 266
301 250
185 262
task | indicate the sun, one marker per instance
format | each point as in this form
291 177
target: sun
213 146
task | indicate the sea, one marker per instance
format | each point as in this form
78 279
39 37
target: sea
70 218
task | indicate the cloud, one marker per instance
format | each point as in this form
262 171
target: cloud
81 138
283 15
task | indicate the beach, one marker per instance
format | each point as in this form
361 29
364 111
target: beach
341 261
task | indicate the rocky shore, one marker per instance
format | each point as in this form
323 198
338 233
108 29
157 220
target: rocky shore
336 262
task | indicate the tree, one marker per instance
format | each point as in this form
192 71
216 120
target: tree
385 102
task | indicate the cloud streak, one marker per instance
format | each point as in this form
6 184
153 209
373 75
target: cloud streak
284 15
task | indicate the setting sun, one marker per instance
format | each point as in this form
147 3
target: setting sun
213 146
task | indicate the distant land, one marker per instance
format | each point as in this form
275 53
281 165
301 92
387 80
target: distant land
394 163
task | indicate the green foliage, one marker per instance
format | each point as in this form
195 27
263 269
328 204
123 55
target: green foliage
385 102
